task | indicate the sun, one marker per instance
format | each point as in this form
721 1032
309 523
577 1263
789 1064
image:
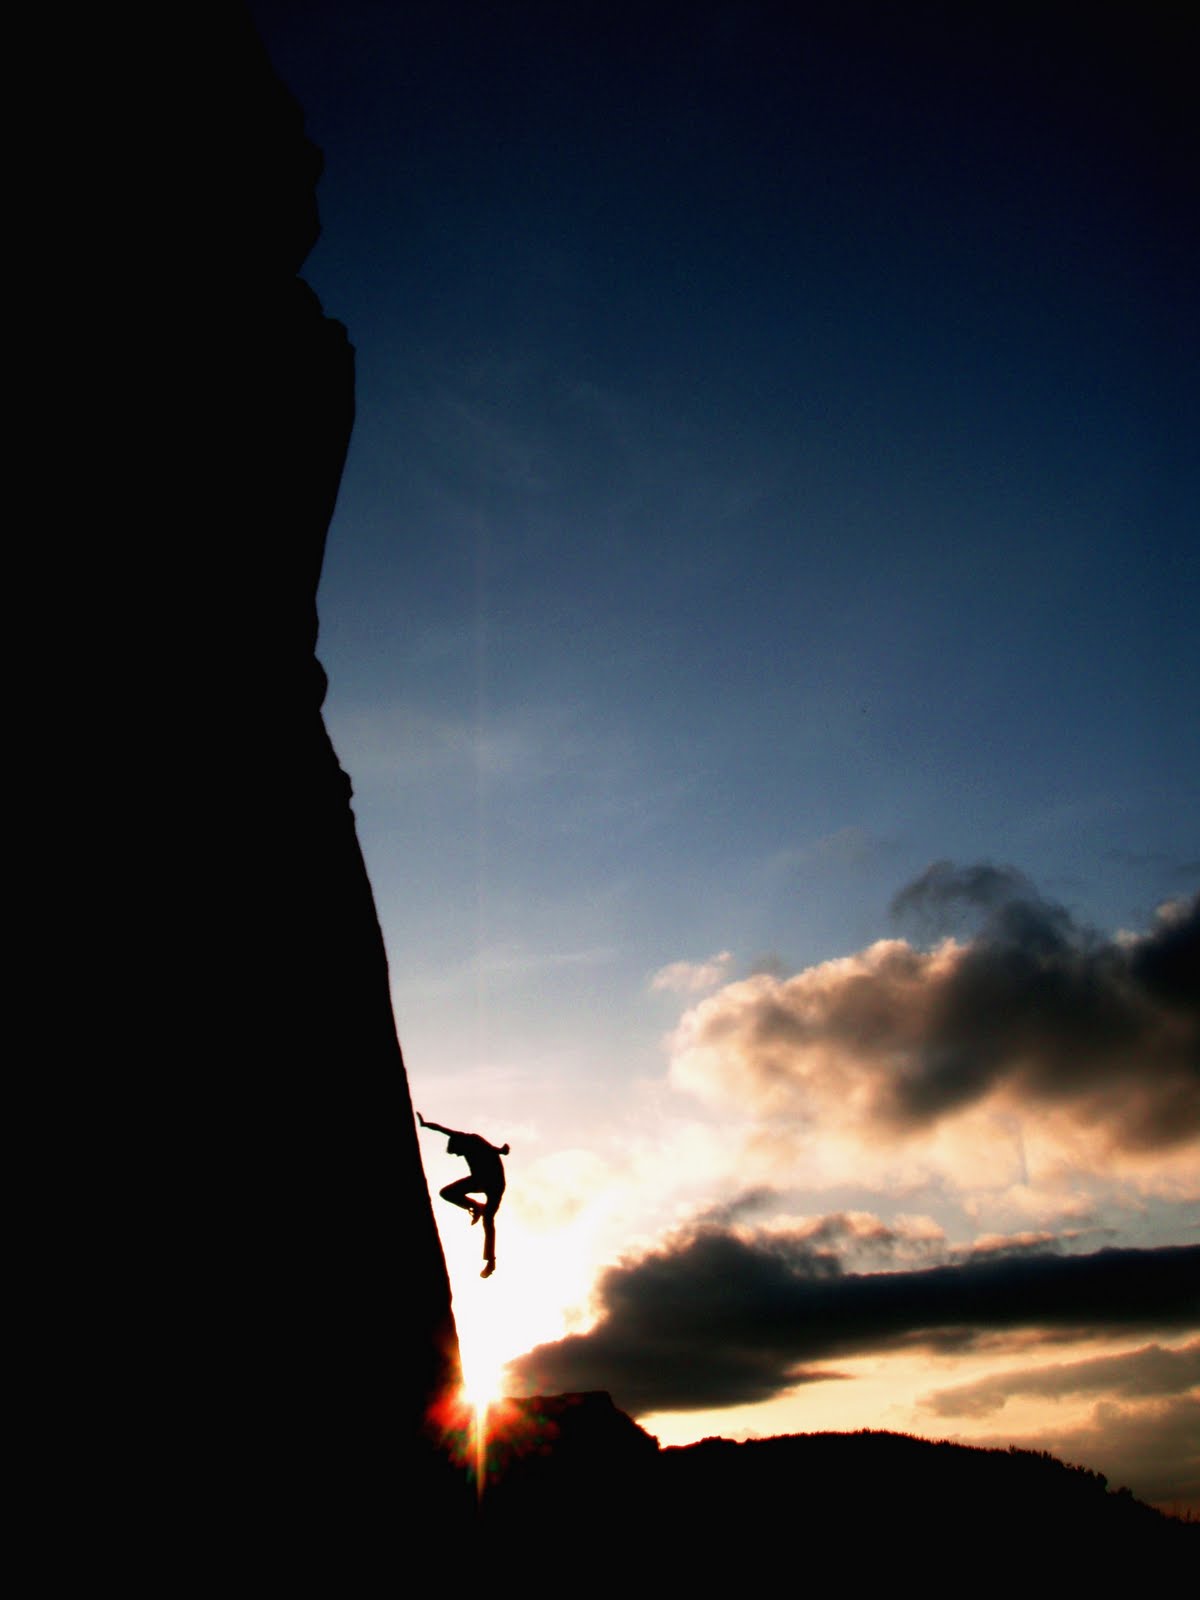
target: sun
482 1370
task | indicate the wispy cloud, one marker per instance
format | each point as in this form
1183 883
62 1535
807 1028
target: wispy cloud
1151 1370
405 744
692 977
851 846
514 961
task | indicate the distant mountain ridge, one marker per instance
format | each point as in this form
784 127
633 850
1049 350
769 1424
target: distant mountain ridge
576 1479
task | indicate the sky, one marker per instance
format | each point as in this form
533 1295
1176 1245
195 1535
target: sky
760 622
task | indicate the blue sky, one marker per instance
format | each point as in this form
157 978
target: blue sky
774 475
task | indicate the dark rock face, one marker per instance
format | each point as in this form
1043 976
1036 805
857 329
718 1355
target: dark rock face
256 1309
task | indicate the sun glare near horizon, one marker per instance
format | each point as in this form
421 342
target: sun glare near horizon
540 1276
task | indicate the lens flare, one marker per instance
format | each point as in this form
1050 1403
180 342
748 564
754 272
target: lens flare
481 1442
482 1381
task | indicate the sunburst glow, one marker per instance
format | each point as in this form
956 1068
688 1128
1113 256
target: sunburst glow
539 1276
483 1373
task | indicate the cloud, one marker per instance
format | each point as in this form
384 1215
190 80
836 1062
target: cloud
1028 1243
846 847
939 891
1031 1011
691 977
720 1317
1152 1370
739 1207
857 1237
512 960
405 745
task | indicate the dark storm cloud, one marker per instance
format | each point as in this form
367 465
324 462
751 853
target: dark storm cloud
719 1318
1151 1370
1033 1005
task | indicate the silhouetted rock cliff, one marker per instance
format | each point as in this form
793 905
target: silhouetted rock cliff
256 1312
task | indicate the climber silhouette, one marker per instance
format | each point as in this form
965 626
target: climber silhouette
486 1177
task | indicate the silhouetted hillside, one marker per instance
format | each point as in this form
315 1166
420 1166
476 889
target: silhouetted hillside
572 1478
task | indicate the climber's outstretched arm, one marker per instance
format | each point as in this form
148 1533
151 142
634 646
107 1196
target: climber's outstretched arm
437 1127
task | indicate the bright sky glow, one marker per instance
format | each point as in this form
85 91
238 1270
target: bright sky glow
760 619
